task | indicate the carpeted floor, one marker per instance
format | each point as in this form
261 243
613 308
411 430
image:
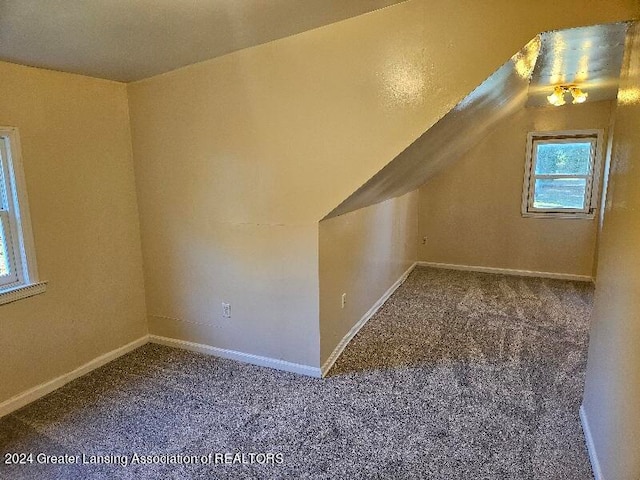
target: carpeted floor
459 376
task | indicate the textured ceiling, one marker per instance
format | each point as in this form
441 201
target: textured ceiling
588 54
589 57
128 40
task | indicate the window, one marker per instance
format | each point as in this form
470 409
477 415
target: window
562 173
18 273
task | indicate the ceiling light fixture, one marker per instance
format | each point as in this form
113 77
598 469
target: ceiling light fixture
578 95
557 97
559 91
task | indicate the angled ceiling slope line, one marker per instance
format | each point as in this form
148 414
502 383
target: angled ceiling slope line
126 41
588 54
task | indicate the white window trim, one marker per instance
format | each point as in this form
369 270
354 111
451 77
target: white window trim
593 183
27 282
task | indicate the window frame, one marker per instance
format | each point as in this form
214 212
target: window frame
14 215
595 136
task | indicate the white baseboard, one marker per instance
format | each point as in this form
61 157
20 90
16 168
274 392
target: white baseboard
39 391
508 271
591 448
239 356
365 318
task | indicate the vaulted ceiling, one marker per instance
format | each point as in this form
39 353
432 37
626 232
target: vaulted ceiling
128 40
591 57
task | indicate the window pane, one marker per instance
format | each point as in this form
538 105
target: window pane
4 256
563 158
3 190
559 193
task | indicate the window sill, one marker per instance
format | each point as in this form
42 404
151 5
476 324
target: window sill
575 216
14 294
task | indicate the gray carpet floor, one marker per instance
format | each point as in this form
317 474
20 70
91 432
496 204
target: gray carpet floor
459 376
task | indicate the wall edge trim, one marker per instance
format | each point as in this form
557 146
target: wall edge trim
326 366
508 271
31 395
591 448
249 358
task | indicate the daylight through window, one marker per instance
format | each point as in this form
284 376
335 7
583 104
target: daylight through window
9 266
561 174
18 274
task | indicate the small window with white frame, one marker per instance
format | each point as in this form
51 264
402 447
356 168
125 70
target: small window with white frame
562 174
18 272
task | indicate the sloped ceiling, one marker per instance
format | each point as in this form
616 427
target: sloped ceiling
588 56
128 40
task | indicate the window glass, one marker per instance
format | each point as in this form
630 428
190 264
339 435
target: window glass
563 158
561 174
4 216
4 205
4 255
557 193
18 271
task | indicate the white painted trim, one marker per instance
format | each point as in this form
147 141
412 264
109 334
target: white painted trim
239 356
39 391
18 401
23 291
361 323
20 219
508 271
593 179
591 448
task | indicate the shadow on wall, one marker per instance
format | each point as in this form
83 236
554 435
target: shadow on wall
361 255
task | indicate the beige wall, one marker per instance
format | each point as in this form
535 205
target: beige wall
612 391
362 254
471 213
76 150
277 134
268 273
236 162
238 158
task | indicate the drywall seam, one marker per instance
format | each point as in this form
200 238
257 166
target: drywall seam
508 271
361 323
39 391
239 356
591 448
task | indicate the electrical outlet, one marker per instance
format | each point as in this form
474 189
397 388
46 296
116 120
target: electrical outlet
226 310
344 299
424 240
